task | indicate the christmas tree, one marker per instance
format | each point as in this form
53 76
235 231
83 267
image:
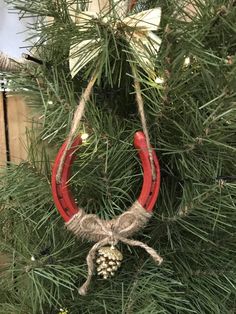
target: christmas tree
183 70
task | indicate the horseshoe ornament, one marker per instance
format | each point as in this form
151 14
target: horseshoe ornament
64 199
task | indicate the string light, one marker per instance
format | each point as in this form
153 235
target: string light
159 80
32 258
84 136
186 61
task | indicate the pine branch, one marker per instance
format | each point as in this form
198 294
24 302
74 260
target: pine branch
191 117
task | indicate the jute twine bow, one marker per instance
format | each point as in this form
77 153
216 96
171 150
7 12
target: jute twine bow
103 232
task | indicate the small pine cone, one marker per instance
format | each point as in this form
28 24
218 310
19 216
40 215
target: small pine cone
109 260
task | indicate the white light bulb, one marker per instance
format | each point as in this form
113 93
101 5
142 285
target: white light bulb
187 61
84 136
159 80
32 258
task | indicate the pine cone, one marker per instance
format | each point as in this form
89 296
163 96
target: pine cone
109 260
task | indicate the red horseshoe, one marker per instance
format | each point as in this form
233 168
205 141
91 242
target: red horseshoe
63 198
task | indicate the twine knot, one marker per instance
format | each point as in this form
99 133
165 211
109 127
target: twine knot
110 232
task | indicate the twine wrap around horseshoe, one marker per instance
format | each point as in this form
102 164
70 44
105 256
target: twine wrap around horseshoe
103 232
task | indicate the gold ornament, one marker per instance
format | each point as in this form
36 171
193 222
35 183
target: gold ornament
109 260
